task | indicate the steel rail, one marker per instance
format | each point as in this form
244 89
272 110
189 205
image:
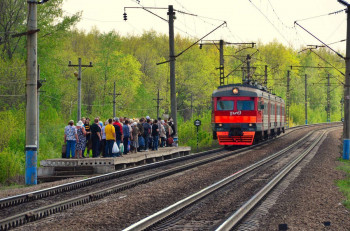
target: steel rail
33 215
236 217
45 211
39 194
43 193
166 212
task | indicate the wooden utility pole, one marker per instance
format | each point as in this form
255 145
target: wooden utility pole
78 75
158 101
114 101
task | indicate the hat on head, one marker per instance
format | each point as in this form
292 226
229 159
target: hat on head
147 117
80 123
116 119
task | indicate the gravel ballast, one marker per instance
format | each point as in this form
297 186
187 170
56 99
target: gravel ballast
120 210
313 201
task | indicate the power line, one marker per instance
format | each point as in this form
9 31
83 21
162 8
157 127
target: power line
273 9
271 23
322 15
96 20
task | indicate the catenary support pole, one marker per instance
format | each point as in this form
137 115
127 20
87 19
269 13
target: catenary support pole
221 68
328 99
288 98
305 98
38 108
346 125
265 80
31 96
171 14
191 106
243 74
248 67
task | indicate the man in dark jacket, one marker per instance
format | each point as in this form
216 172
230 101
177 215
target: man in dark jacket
147 133
141 138
96 138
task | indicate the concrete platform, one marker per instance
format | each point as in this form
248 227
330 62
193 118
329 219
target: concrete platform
52 167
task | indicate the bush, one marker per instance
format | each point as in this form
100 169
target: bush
188 132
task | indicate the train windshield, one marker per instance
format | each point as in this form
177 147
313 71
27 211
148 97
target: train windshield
245 105
224 105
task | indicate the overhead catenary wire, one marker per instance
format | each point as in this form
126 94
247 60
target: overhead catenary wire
322 15
271 23
319 40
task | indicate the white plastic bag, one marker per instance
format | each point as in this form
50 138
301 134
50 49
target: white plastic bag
115 148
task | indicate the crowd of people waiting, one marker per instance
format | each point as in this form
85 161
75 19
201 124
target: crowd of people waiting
131 135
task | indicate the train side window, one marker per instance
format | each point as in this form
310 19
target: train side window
224 105
245 105
278 109
272 109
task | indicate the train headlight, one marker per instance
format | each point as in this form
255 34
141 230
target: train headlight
250 125
235 91
220 125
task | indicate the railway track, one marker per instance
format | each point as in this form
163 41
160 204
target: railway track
21 217
186 214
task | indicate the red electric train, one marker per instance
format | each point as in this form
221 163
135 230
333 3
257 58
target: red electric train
245 113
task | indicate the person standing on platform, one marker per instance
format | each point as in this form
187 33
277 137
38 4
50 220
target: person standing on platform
126 134
140 138
147 133
88 138
162 134
70 138
118 132
135 137
103 141
110 138
155 135
95 138
81 142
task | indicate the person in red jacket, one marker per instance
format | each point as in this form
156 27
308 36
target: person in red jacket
118 132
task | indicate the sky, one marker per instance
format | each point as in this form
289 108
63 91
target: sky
246 20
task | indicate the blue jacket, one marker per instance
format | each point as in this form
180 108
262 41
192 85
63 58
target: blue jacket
126 131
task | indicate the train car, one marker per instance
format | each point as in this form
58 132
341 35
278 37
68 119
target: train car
246 113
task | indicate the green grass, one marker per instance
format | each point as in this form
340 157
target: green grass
344 184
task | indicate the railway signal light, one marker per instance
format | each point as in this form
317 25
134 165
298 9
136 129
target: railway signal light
125 16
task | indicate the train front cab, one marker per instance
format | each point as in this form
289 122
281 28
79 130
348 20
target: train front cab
235 119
